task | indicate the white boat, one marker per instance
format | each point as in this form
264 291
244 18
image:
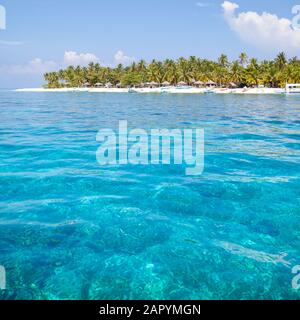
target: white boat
183 89
145 90
292 88
222 90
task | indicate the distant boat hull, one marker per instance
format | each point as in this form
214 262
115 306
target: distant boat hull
145 90
294 91
183 90
108 90
292 88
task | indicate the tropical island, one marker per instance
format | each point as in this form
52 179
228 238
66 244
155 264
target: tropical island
193 71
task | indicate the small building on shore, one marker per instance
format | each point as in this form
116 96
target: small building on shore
198 84
153 84
182 84
211 84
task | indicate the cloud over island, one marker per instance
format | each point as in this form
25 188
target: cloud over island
39 66
266 30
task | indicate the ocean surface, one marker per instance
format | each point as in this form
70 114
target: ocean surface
72 229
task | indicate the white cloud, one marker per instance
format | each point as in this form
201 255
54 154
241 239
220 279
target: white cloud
229 7
73 58
39 66
266 30
120 57
203 4
36 66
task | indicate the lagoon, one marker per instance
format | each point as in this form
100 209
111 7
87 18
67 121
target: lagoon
72 229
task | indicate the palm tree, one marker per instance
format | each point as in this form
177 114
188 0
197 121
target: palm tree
221 71
184 70
270 74
156 72
236 73
223 61
53 80
253 72
243 59
171 73
281 61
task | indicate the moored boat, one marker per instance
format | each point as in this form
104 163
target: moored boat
292 88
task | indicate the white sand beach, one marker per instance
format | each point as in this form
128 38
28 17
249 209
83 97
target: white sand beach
253 91
53 90
163 90
108 90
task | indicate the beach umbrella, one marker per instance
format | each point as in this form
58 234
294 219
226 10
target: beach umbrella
99 84
232 85
87 84
182 83
118 85
166 83
108 85
153 83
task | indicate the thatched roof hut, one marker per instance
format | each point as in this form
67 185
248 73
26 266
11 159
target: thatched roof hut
153 84
211 83
198 83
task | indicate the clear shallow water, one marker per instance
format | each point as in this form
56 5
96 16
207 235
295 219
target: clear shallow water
70 229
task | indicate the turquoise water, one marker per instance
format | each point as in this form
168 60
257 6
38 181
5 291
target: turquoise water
70 229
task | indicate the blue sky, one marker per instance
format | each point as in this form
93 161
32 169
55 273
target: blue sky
48 34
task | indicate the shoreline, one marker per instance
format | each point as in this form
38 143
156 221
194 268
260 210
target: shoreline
162 90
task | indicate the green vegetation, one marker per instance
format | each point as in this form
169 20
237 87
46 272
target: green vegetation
243 72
